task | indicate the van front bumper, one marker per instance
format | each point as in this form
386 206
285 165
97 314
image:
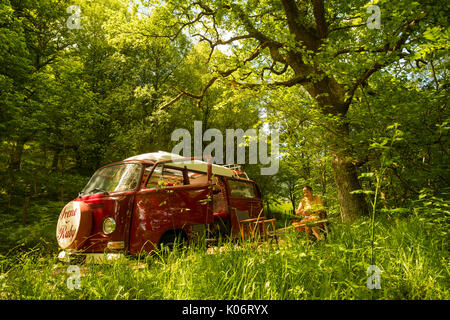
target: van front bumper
70 256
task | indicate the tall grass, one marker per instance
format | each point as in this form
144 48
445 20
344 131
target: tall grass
413 257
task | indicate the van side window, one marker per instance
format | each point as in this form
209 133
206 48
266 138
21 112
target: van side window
241 189
173 177
197 178
169 178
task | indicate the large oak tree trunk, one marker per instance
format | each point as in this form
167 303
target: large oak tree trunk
345 173
352 206
331 98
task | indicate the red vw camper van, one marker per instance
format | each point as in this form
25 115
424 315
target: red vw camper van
135 205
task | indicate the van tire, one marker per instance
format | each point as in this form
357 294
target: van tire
173 239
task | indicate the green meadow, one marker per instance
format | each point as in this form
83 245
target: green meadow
411 252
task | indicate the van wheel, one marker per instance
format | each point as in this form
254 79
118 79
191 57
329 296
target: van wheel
172 240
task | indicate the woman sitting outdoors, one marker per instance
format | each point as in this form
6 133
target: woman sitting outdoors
310 208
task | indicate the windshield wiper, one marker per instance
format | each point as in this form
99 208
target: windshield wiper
99 189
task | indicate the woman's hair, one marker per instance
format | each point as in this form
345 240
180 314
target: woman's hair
308 188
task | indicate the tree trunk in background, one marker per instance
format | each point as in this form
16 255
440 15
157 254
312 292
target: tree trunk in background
293 205
55 160
26 204
345 173
292 198
332 100
323 178
16 155
352 206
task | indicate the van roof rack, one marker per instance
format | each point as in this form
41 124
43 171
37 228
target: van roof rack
181 162
237 170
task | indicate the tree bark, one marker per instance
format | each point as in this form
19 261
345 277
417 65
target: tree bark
16 155
293 206
345 173
25 209
323 178
55 160
331 99
292 197
352 206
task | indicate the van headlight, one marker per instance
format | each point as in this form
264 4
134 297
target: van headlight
109 225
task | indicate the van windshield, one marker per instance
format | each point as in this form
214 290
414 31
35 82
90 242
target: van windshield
120 177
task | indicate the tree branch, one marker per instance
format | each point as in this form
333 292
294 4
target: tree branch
319 17
288 83
168 104
272 69
302 34
348 27
377 66
219 42
199 97
361 49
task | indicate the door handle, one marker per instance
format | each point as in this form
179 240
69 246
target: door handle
204 200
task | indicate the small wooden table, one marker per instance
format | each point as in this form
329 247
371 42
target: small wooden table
249 227
310 224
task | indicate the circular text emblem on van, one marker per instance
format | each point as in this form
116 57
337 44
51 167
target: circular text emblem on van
74 224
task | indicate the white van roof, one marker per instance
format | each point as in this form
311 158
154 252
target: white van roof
196 165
